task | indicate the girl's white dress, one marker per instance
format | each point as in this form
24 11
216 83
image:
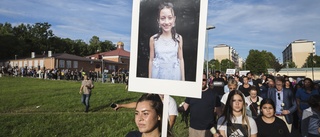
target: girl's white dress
166 64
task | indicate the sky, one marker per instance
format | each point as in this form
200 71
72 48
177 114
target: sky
244 25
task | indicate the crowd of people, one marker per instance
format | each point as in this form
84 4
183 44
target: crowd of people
64 74
234 105
244 106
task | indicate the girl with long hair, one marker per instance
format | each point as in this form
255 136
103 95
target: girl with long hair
234 120
166 53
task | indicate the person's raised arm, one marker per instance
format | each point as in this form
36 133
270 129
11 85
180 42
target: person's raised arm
181 60
172 120
151 45
128 105
185 106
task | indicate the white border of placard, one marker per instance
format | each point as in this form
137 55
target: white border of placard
160 86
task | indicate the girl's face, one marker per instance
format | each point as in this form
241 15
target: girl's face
253 93
237 103
166 19
236 79
146 117
307 83
267 110
245 80
287 84
232 87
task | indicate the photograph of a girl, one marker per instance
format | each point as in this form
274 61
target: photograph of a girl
168 39
166 54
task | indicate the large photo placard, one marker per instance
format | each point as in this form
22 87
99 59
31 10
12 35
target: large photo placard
167 46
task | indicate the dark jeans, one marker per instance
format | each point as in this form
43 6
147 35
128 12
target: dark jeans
85 100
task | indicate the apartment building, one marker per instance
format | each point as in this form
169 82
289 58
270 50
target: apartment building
223 51
298 51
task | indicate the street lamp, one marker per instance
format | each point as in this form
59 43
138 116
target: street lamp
287 67
207 46
311 54
100 56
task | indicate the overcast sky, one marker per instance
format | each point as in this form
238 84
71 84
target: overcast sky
251 24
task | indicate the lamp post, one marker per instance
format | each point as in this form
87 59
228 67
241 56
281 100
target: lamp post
15 57
287 67
102 78
207 46
101 57
311 54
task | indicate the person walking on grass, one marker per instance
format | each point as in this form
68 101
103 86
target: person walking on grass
85 90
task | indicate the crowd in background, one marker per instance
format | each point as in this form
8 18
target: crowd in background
292 102
290 98
63 74
242 106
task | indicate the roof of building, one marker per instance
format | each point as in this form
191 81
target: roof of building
301 41
67 56
222 45
117 52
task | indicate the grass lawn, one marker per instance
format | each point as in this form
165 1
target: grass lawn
36 107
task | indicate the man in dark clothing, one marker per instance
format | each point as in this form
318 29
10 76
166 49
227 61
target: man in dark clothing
202 111
218 84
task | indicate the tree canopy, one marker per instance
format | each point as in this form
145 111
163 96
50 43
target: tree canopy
312 61
23 39
258 62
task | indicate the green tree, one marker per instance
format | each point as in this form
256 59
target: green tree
291 64
256 62
107 46
6 29
23 39
94 45
214 65
226 64
312 60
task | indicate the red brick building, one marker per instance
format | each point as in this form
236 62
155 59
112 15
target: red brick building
119 58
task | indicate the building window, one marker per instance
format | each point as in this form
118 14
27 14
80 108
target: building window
68 63
36 63
61 63
30 64
112 67
20 63
41 64
75 64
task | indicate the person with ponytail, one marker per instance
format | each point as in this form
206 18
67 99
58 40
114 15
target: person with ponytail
148 117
